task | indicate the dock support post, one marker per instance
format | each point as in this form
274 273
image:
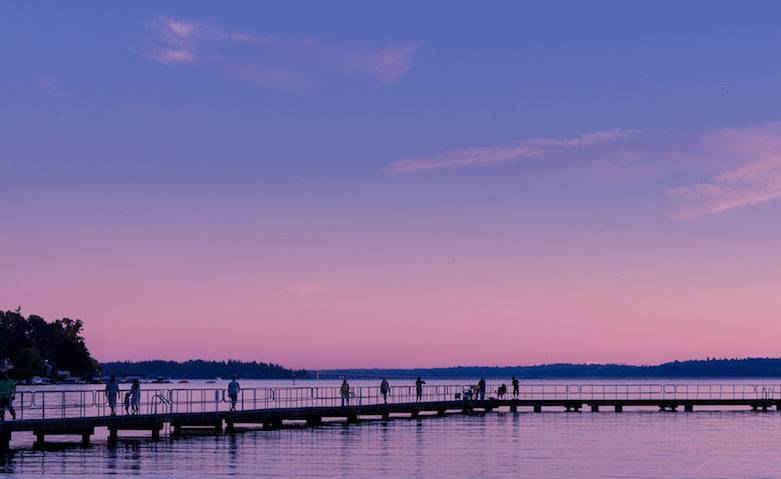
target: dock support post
513 407
218 427
112 435
441 413
385 416
40 439
155 433
229 428
5 442
595 408
314 421
538 408
85 436
754 407
688 407
415 414
619 408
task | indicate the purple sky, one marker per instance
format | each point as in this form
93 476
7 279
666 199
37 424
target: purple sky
411 184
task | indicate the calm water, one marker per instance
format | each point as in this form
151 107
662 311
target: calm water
645 444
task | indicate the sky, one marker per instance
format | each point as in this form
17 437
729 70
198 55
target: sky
407 184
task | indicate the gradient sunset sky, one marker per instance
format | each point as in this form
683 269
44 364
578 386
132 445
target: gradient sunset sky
357 184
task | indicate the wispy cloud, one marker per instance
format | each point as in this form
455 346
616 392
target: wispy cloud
731 167
49 85
267 60
755 177
491 155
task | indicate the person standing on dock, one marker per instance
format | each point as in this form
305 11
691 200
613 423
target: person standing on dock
7 393
481 388
384 390
501 391
135 397
516 387
233 392
419 388
345 390
112 391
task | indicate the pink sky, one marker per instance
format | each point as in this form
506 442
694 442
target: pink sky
369 185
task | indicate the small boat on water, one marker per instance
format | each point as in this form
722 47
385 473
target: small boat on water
184 381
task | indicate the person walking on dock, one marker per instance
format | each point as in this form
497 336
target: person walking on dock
384 390
112 391
135 397
7 393
481 387
345 390
516 387
233 392
419 388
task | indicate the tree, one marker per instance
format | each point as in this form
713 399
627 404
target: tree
28 363
28 342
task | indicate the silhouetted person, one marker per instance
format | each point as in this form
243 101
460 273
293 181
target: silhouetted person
501 391
481 388
467 394
516 387
233 392
135 397
345 390
419 388
126 402
112 391
7 393
384 390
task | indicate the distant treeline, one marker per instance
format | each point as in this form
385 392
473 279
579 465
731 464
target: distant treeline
200 369
705 368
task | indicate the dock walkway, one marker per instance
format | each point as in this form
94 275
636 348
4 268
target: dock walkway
79 412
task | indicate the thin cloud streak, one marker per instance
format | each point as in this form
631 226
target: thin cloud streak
754 179
49 85
740 166
491 155
267 60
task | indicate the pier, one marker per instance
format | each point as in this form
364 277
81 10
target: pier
174 411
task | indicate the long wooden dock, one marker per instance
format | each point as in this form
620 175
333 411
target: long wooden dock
77 413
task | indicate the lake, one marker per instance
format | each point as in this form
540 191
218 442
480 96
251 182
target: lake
633 444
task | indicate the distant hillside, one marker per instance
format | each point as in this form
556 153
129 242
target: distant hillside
706 368
200 369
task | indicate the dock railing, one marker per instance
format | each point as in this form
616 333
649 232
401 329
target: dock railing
58 404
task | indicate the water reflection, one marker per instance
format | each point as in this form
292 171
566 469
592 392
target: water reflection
566 445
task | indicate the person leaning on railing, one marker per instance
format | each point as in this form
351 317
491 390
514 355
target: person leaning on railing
7 393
